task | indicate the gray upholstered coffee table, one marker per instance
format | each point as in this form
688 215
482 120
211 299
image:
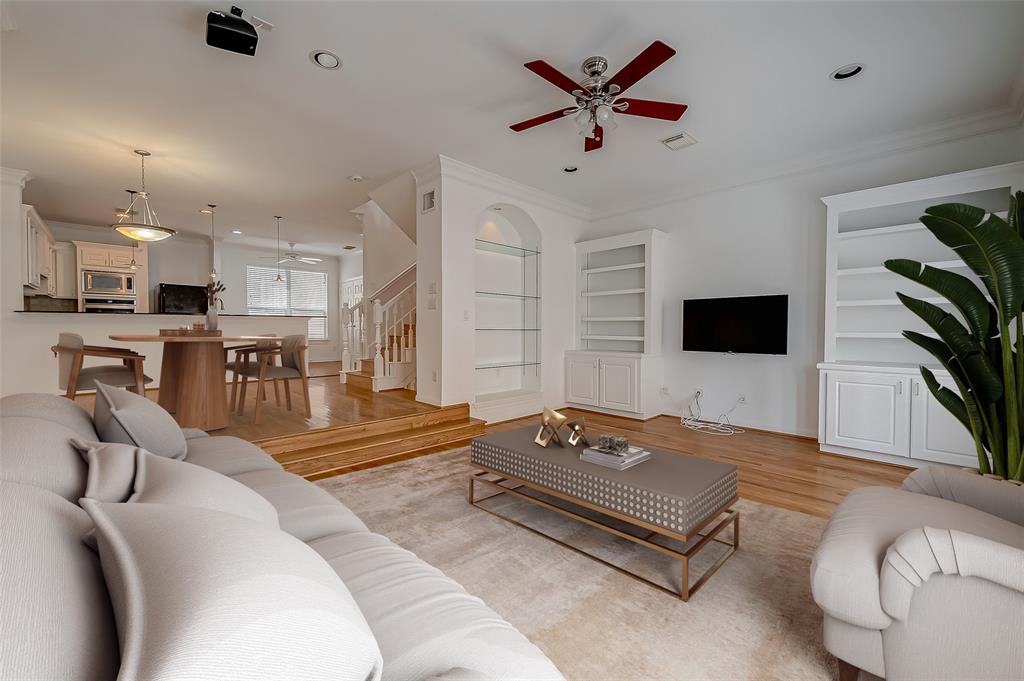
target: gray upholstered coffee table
672 495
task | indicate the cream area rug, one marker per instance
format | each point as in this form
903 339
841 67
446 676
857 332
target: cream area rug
754 619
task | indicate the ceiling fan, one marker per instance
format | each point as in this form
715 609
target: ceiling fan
597 95
292 256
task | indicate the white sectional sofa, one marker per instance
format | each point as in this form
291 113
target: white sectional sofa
59 610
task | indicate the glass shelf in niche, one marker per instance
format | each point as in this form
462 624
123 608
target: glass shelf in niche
505 365
507 295
505 249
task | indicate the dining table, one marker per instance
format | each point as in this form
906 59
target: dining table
193 386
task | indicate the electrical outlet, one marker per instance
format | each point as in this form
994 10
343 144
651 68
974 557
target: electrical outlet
697 392
664 391
433 376
742 399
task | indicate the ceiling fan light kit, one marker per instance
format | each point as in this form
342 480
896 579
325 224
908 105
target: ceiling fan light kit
597 95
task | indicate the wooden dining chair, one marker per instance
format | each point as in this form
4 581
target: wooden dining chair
292 354
245 356
71 352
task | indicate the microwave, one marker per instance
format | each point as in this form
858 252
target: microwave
112 283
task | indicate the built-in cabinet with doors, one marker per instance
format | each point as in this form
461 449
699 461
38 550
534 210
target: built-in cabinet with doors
873 401
618 325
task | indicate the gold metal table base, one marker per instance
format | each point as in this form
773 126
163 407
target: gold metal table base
501 482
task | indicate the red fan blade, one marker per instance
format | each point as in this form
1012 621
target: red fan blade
654 56
526 125
554 76
595 142
666 111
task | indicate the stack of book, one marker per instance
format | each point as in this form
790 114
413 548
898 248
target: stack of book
619 461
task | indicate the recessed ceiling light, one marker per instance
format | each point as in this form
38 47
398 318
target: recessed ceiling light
847 72
236 231
569 169
356 178
325 59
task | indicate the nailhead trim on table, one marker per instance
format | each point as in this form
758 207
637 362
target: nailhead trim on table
678 514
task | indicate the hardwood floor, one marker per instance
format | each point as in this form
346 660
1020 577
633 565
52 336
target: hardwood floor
331 402
781 470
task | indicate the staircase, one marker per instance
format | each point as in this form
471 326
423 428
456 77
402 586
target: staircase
388 361
342 449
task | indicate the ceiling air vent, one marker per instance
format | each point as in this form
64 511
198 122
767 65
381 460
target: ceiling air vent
677 142
429 201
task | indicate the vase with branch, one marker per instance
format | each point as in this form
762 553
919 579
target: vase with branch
983 348
213 303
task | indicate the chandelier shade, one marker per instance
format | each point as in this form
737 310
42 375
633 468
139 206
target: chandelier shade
149 228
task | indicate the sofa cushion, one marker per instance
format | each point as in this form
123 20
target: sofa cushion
193 433
55 615
159 480
998 497
39 453
847 563
121 416
426 624
260 604
111 469
52 408
303 509
229 455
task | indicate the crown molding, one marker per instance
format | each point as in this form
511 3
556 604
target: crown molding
484 179
15 176
963 127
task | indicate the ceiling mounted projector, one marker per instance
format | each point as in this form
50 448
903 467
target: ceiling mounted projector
231 32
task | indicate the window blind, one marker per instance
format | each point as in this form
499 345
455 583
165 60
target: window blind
303 292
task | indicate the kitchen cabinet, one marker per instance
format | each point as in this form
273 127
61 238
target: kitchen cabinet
65 270
37 252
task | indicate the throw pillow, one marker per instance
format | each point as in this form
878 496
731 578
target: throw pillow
207 595
121 416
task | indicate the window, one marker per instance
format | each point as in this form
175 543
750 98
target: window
302 293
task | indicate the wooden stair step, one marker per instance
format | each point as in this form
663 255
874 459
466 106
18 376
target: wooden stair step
281 445
359 379
388 447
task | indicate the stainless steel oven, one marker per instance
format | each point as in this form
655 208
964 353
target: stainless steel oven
108 283
108 304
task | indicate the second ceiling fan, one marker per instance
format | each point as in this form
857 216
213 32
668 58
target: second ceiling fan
598 96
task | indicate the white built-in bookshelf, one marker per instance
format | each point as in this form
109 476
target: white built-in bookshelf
614 284
864 318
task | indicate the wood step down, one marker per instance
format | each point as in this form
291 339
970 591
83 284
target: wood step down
333 451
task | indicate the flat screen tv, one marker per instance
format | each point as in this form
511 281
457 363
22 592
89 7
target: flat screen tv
744 324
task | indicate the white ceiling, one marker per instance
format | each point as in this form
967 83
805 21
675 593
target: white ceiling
84 83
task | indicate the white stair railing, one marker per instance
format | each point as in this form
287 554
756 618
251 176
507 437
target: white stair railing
394 332
353 337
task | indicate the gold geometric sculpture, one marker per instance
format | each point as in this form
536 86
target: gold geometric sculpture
577 431
550 422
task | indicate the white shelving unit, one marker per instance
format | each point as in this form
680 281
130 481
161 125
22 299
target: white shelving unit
873 402
618 324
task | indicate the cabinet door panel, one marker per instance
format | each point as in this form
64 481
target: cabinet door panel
581 380
619 389
936 435
94 256
120 259
869 412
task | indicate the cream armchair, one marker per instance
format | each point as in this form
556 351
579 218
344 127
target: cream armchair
918 583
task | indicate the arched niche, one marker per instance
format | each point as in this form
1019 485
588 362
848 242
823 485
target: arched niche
508 303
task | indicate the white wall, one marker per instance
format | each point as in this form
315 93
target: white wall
769 237
387 250
233 260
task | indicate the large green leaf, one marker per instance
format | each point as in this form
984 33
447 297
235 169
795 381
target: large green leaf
982 375
947 398
955 288
1015 216
992 249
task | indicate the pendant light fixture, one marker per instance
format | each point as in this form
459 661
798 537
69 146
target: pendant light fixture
279 279
213 239
149 229
128 213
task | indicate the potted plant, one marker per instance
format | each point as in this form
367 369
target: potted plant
983 352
